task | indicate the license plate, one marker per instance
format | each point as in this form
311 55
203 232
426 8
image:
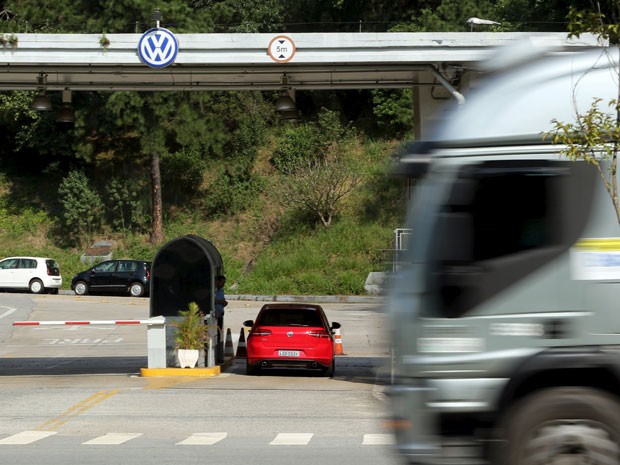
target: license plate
288 353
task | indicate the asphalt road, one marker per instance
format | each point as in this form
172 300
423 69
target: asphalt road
72 395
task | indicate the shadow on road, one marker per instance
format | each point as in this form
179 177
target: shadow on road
71 365
368 370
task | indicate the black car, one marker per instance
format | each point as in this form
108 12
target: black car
114 276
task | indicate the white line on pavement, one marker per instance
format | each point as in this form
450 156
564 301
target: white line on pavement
291 439
377 439
202 439
112 438
27 437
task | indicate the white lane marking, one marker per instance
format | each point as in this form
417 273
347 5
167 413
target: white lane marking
377 439
202 439
27 437
291 439
8 312
113 438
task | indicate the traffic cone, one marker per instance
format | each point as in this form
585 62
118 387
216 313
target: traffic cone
229 350
241 349
338 350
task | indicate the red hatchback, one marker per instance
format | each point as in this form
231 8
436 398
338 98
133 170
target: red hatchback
291 336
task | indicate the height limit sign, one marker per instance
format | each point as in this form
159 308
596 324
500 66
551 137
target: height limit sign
281 49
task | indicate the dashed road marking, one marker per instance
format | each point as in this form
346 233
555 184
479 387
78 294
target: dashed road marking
291 439
27 437
196 439
377 439
112 439
202 439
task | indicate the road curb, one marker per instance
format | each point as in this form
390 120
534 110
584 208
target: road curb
186 372
334 299
308 298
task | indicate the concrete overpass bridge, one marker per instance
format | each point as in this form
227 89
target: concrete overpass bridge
437 66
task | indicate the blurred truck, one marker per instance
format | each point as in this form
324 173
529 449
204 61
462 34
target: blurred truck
505 319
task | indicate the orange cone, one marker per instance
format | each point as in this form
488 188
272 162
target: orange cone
242 351
229 350
338 350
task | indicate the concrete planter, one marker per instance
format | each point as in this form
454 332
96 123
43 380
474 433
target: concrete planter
187 357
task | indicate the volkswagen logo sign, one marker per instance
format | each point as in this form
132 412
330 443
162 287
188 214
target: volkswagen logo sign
158 47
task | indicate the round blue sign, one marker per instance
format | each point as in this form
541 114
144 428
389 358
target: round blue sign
158 47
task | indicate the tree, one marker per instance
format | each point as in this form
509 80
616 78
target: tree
317 186
82 206
594 137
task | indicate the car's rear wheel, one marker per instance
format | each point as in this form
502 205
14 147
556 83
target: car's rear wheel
80 288
329 371
251 369
36 286
136 290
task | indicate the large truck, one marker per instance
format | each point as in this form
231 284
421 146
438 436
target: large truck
505 320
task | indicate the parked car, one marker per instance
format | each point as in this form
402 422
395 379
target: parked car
36 274
291 336
114 276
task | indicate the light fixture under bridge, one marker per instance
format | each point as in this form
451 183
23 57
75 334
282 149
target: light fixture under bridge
41 101
66 113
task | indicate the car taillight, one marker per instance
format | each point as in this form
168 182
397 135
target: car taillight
148 274
317 333
260 332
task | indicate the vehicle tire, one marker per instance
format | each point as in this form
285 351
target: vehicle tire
53 291
329 371
36 286
136 289
80 288
561 425
251 369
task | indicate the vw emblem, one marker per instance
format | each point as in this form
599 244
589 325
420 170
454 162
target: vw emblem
158 47
290 334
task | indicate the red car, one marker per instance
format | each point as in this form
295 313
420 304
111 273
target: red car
291 336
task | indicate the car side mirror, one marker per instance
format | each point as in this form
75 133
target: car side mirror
335 325
248 323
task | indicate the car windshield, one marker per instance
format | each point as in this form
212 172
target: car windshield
289 317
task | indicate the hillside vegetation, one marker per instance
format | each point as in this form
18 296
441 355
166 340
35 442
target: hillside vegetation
267 247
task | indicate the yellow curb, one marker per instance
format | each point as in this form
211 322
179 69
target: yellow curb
197 372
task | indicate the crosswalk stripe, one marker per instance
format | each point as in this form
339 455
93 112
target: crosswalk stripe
27 437
291 439
377 439
202 439
113 438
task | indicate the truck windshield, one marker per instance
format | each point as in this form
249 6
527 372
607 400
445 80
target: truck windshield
501 221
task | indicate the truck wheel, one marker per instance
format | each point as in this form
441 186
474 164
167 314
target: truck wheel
560 426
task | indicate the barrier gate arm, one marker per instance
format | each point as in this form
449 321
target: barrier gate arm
155 334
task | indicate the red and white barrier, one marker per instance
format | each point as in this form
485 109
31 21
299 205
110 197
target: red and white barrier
95 322
155 335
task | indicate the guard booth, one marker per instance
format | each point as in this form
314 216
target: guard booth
183 271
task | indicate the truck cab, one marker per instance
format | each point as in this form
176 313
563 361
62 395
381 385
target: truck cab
504 320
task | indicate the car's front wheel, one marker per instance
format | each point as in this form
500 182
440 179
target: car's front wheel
36 286
136 290
80 288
